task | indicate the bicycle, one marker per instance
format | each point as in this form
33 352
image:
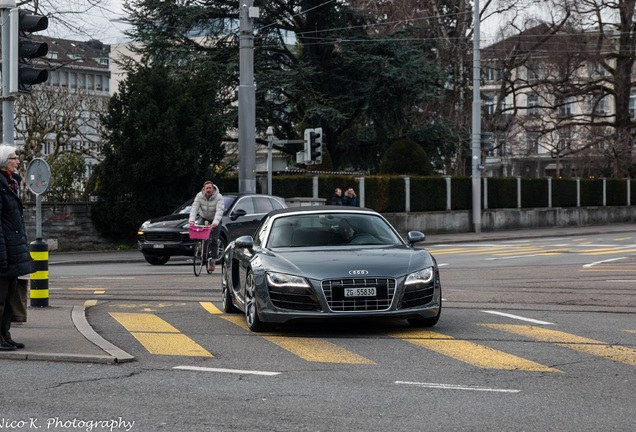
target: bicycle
201 248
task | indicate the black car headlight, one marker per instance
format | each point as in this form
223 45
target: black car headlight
144 225
282 280
422 276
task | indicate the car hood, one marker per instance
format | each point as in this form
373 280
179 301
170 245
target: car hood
393 261
169 221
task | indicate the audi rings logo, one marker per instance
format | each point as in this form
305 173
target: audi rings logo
358 272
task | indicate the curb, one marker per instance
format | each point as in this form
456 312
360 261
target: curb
78 317
117 355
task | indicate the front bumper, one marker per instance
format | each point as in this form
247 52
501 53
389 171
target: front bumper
324 300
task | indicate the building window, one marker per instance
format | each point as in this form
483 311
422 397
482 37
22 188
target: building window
533 73
599 105
533 104
532 142
564 139
632 104
566 107
490 105
492 74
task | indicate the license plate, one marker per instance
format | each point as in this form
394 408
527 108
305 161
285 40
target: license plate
359 292
158 246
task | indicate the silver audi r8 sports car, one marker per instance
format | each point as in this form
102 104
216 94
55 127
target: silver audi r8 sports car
329 262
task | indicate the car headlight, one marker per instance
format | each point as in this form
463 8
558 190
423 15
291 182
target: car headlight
286 280
422 276
144 225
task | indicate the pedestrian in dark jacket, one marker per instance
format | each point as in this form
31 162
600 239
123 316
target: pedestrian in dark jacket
15 259
350 198
336 199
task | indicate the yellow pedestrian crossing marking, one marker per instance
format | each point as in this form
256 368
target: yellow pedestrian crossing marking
468 352
158 336
310 349
590 346
208 306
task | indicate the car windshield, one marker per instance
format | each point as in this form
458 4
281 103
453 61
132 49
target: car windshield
331 229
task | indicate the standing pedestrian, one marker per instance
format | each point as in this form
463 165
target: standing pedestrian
350 198
336 199
208 205
14 254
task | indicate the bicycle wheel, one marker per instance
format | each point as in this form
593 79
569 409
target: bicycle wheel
197 260
206 255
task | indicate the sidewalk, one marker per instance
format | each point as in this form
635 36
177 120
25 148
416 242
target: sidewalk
61 332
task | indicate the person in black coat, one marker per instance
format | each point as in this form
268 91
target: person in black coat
15 259
350 198
336 199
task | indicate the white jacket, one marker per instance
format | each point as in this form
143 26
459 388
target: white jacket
210 209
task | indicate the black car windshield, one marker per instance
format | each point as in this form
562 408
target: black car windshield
331 229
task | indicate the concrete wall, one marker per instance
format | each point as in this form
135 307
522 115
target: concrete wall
69 227
64 227
510 219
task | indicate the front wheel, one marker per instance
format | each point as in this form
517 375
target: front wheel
197 259
254 322
221 245
226 293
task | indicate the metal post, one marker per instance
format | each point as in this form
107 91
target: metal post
476 141
7 98
247 100
270 145
40 277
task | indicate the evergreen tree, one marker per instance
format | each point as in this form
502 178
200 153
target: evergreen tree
164 136
317 64
406 157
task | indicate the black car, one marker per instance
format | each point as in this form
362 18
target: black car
160 238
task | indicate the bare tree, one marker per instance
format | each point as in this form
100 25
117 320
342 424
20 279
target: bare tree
67 119
573 66
81 18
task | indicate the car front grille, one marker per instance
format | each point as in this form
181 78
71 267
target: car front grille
334 293
417 295
293 299
164 237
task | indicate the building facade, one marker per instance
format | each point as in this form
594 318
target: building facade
550 98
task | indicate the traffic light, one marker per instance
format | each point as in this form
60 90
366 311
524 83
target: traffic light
313 146
487 140
22 49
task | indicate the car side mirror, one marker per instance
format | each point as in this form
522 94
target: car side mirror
237 214
415 237
244 242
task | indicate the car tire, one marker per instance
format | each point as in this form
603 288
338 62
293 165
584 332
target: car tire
222 244
226 294
157 259
426 322
254 322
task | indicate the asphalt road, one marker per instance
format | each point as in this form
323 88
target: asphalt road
531 338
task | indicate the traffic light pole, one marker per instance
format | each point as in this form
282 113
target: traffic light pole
476 115
7 98
247 100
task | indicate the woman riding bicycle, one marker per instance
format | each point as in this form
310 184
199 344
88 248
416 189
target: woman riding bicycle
208 205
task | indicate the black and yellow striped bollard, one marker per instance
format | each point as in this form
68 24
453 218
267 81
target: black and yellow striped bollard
40 276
